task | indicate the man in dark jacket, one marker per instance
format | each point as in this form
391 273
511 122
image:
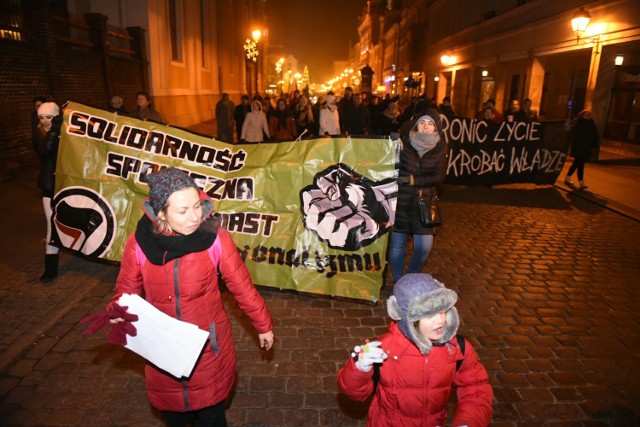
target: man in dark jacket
585 138
446 109
240 113
357 119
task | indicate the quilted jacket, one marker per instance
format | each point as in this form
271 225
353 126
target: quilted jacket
413 389
187 288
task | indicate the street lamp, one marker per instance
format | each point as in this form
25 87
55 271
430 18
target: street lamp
580 21
279 64
447 59
256 34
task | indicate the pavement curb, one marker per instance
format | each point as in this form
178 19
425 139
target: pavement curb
601 201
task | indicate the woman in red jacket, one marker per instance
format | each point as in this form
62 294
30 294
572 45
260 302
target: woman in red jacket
178 276
419 360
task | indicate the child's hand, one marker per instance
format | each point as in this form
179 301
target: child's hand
368 354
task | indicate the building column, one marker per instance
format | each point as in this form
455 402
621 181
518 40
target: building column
593 75
533 90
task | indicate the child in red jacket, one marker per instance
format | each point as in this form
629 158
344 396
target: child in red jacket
418 362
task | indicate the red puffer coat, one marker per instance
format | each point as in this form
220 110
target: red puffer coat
187 288
414 388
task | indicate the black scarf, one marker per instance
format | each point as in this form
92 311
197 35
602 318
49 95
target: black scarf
160 248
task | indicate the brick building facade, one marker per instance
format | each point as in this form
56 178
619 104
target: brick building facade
60 57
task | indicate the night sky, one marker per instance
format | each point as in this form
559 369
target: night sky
316 32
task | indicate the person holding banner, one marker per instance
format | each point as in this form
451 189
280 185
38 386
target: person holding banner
304 117
46 139
144 110
173 260
422 168
282 125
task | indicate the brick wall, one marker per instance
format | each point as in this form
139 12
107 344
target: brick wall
45 62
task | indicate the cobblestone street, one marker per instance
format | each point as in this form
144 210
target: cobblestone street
548 295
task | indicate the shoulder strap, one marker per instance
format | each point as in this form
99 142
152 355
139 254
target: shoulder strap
462 345
215 251
140 256
376 376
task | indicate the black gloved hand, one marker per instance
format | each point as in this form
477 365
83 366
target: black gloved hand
404 180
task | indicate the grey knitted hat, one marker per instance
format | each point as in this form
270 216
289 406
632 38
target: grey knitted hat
164 183
419 295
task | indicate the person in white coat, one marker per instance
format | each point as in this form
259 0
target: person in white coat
329 117
255 125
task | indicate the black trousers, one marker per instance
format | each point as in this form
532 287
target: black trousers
578 163
211 416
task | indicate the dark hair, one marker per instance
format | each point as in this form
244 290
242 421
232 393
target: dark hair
143 94
421 106
39 98
446 99
245 97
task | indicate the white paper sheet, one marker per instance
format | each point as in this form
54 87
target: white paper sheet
168 343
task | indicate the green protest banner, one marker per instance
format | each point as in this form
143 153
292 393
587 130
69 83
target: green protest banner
311 215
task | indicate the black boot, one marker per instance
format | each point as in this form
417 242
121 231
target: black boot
50 268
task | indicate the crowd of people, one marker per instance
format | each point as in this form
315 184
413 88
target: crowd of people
295 115
178 253
349 114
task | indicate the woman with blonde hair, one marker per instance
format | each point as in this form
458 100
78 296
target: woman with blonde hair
303 116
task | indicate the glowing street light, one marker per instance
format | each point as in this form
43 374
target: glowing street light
579 22
256 34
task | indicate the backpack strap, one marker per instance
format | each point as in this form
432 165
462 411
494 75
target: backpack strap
215 251
376 376
376 366
462 345
140 256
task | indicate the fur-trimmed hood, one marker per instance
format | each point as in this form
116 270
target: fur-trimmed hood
416 296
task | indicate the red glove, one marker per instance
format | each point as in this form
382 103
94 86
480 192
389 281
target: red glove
119 330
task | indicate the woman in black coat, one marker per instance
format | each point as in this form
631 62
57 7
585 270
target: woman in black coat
585 138
45 142
422 168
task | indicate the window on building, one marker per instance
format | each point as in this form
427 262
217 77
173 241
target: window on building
175 28
623 120
12 21
544 97
204 32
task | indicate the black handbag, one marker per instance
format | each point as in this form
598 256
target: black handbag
429 210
